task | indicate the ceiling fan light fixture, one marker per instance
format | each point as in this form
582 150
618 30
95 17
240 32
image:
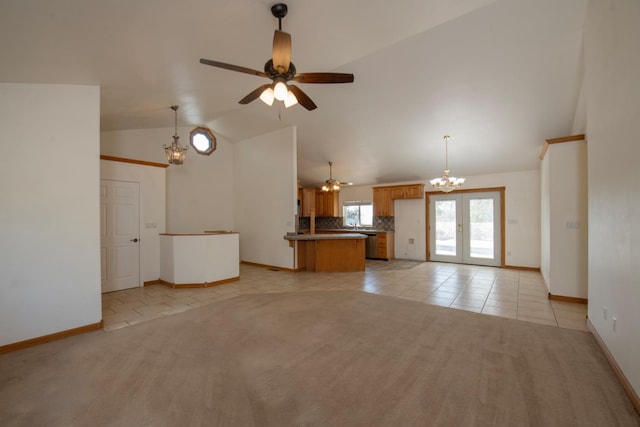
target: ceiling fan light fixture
267 96
290 100
331 185
280 89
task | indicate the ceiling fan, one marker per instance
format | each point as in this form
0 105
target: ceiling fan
281 70
331 185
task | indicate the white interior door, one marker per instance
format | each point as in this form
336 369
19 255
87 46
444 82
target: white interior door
465 228
119 234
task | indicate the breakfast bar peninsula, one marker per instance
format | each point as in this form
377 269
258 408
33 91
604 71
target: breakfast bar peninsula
329 252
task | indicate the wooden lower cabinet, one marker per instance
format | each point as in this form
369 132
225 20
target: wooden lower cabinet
385 245
331 255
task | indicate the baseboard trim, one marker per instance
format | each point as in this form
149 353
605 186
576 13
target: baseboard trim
51 337
152 282
568 299
633 396
197 285
516 267
269 267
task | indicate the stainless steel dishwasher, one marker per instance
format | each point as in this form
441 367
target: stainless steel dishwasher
372 245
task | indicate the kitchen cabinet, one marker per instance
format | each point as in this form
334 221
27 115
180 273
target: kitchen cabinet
382 202
308 201
385 245
327 204
383 197
413 191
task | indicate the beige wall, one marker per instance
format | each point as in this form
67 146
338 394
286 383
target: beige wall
522 210
199 192
265 175
612 91
49 219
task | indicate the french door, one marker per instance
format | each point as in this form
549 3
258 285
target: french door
466 228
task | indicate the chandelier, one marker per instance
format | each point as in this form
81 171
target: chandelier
175 152
331 184
446 183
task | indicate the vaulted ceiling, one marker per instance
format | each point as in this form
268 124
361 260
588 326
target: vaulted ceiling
499 76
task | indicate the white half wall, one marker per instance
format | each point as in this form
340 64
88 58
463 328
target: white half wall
266 196
152 182
612 67
199 192
522 212
49 220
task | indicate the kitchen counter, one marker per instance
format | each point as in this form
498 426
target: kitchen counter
329 252
350 230
320 236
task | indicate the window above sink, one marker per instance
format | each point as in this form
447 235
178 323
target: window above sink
357 214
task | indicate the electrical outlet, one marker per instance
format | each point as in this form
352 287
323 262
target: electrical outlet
412 241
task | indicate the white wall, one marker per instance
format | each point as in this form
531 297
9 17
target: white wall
564 213
545 221
522 210
199 192
152 209
266 193
49 215
612 67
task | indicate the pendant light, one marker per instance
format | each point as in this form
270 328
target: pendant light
447 183
175 152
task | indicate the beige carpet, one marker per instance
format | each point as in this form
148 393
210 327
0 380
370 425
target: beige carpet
337 358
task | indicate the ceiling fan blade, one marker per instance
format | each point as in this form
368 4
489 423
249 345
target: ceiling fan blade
323 78
254 95
232 67
281 51
302 98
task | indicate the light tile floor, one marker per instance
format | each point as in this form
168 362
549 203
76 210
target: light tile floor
500 292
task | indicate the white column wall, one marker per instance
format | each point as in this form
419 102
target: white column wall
265 170
568 227
612 67
49 215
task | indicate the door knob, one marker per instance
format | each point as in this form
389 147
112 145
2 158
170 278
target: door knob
134 240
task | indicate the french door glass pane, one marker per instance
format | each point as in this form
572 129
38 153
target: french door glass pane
481 228
445 227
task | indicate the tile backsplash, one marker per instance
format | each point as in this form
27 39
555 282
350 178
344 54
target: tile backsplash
385 223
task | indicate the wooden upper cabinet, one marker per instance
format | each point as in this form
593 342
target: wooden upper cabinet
413 191
327 204
382 203
308 199
383 197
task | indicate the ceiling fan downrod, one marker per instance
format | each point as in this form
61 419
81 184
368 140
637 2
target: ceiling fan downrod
279 10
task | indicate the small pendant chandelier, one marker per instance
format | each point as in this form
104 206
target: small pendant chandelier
447 183
175 152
